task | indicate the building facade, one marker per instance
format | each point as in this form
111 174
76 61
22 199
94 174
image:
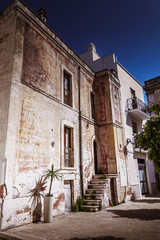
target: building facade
59 108
152 88
139 169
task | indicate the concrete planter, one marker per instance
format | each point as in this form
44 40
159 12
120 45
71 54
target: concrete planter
48 209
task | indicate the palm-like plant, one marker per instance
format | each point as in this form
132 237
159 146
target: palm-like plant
35 194
52 174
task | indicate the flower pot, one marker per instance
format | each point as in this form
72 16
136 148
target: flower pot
48 209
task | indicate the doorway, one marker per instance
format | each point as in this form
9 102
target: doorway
95 157
68 185
142 176
112 189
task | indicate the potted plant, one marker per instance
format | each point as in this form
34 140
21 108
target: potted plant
36 194
48 199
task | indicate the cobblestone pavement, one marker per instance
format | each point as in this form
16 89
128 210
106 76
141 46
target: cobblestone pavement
132 220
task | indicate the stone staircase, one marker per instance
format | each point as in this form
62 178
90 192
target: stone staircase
94 194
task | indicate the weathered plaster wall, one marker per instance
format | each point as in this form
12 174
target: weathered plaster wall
110 131
88 136
106 153
116 100
37 116
104 130
7 23
86 89
6 60
103 110
46 59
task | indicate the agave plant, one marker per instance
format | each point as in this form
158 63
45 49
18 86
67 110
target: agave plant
36 193
52 174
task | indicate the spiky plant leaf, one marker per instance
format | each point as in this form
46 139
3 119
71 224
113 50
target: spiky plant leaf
52 174
36 192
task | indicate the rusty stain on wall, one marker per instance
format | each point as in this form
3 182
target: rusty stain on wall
59 199
38 64
116 103
100 98
25 210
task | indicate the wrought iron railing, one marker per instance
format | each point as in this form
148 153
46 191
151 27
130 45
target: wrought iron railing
136 103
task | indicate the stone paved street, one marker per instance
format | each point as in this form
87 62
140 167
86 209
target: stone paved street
132 220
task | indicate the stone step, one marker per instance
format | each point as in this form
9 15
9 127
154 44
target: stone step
96 191
100 176
96 186
92 202
99 181
90 196
87 208
93 196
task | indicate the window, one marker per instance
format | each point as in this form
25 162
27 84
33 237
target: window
134 127
67 89
68 147
135 130
93 106
133 96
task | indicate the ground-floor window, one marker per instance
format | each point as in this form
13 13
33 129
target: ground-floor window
68 147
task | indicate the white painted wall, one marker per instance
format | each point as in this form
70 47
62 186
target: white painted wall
96 63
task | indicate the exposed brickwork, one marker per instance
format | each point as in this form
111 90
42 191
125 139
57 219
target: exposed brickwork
58 200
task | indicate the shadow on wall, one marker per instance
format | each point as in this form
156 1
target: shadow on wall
140 214
99 238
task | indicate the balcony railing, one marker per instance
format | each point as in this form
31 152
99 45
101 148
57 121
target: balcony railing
136 106
134 103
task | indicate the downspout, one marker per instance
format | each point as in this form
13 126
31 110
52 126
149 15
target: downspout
80 131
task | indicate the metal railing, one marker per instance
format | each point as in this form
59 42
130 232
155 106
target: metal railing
136 103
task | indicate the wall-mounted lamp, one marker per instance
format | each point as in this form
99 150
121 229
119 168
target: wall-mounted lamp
129 141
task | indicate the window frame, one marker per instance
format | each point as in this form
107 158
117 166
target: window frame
75 152
134 127
63 69
67 88
69 148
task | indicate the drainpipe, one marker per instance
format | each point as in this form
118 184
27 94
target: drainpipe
80 131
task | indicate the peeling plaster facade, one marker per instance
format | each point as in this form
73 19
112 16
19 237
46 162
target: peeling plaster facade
133 165
34 115
152 88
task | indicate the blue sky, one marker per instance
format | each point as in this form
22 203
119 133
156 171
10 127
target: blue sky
130 28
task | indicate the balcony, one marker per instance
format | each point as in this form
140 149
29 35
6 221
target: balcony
137 108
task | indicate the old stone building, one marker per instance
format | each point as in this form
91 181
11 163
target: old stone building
140 173
78 113
152 88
